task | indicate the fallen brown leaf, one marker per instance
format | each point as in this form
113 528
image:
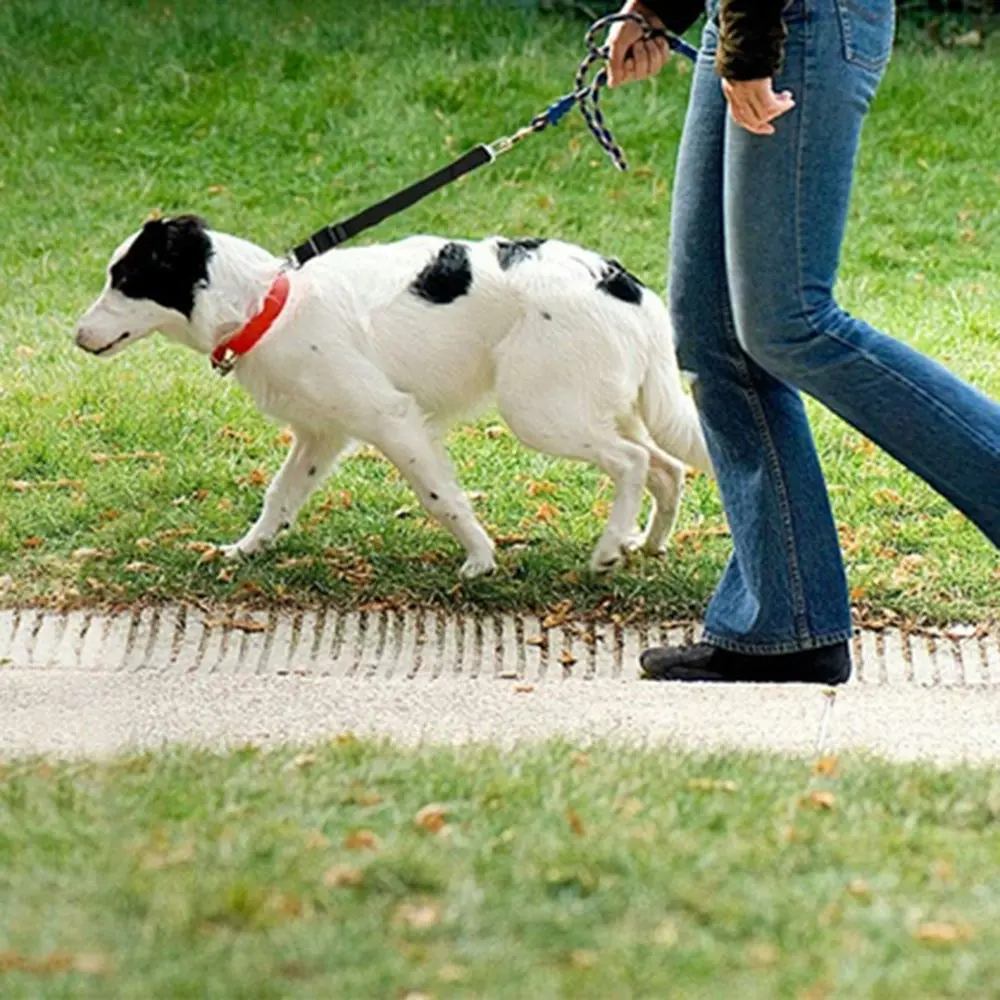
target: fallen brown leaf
547 512
943 933
575 822
362 840
140 567
826 765
431 818
712 785
418 915
566 658
343 876
859 889
557 615
821 799
91 553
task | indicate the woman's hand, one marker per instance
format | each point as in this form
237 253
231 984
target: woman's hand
629 57
754 104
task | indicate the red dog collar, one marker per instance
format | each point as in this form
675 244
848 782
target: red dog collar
247 337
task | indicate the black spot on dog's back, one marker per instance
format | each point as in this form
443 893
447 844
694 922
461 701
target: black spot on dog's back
446 277
618 283
167 263
511 252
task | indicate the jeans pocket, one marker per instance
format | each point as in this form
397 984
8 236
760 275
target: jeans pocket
868 27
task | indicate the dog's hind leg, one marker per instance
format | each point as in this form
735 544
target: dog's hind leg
403 436
665 482
304 468
566 432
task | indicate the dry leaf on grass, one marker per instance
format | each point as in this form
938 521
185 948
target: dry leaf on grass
141 567
943 933
826 765
859 889
316 841
547 512
91 554
431 818
575 822
821 799
418 915
56 963
23 485
343 876
362 840
712 785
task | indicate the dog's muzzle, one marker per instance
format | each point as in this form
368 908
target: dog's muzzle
85 341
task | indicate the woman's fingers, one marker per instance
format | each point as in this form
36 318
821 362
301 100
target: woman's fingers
754 105
630 57
621 43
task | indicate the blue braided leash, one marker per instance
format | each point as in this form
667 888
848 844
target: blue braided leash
586 95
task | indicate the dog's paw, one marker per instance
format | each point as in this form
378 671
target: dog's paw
635 542
609 556
477 566
235 551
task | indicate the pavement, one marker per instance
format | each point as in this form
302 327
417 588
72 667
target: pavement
86 683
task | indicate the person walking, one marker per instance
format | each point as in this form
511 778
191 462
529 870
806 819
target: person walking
760 200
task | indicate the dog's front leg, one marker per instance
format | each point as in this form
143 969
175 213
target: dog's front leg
304 468
403 438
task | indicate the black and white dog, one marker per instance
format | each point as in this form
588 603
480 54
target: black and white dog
390 344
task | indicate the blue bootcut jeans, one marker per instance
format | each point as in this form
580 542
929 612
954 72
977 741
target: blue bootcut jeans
756 230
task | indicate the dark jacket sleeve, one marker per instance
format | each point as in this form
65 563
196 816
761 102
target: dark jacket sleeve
676 15
751 35
751 39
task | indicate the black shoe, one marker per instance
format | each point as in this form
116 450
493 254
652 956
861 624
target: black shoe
702 662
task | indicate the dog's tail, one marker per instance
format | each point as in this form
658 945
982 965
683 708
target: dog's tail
668 412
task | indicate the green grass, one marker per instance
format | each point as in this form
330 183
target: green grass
273 116
609 874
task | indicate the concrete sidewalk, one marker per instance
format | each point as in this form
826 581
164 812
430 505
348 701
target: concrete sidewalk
85 683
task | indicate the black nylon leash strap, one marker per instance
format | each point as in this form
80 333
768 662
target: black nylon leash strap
330 236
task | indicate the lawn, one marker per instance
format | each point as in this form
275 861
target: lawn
352 870
272 117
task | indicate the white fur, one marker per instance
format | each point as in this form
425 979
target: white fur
357 356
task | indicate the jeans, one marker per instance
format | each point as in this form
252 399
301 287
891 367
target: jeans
756 229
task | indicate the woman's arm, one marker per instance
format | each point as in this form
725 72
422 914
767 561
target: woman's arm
751 39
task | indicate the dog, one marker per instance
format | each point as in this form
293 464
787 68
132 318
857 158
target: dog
390 344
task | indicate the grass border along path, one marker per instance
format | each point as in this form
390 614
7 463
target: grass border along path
349 869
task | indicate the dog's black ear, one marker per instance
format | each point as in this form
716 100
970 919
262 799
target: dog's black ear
167 262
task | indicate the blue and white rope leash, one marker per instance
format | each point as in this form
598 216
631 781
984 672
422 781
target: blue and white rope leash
586 95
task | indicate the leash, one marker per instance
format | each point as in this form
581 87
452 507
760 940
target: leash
585 95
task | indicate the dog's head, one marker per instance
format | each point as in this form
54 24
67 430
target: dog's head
153 279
